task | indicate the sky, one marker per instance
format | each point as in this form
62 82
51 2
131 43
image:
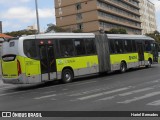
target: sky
18 14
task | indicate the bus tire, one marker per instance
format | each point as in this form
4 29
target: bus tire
123 67
67 76
149 64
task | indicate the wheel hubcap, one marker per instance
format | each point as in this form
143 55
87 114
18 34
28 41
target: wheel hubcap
149 63
122 68
67 76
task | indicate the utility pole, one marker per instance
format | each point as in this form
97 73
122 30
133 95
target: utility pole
37 16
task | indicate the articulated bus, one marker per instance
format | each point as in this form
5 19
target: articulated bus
65 56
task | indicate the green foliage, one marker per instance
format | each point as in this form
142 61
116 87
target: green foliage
117 31
155 35
21 32
54 28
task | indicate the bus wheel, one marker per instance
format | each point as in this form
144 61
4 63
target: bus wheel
149 64
67 76
123 67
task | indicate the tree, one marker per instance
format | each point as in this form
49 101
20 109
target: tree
117 31
155 35
53 28
21 32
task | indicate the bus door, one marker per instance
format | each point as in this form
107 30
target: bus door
140 52
155 49
47 61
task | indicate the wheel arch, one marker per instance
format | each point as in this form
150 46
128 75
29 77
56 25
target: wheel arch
70 68
123 61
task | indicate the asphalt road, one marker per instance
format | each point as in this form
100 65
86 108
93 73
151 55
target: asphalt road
135 90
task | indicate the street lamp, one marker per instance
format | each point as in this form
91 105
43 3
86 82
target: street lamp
37 15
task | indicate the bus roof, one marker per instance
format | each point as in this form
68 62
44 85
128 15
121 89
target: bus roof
62 35
85 35
126 36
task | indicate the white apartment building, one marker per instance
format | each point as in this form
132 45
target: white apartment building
32 27
148 17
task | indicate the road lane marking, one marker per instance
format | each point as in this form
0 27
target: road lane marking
140 98
88 92
153 81
48 92
6 87
106 98
83 83
125 94
43 97
155 103
53 99
65 89
103 93
11 93
135 91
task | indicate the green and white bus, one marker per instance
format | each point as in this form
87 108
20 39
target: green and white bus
65 56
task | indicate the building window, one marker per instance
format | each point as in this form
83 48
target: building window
78 6
79 16
80 26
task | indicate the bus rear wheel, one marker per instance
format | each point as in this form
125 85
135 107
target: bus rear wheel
123 67
149 64
67 76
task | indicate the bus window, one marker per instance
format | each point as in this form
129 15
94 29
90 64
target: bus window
80 46
111 46
119 46
57 49
147 46
134 48
30 49
66 48
90 46
127 46
8 58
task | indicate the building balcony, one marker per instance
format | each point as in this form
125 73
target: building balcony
121 6
126 24
133 5
107 10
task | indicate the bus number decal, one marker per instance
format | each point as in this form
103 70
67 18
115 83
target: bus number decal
69 61
61 62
